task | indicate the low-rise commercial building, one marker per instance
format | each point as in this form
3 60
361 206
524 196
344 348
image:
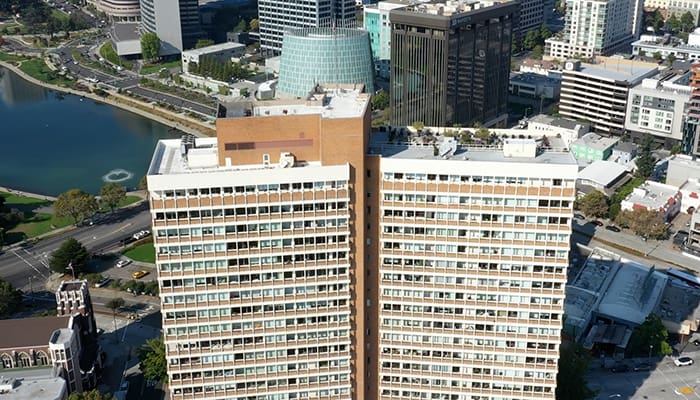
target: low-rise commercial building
534 86
222 52
598 92
44 388
656 107
681 168
601 175
690 195
567 130
623 153
592 146
654 196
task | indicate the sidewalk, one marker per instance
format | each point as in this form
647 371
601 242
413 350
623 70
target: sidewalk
27 194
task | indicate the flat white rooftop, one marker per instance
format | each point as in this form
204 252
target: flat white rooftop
652 195
215 48
37 389
332 103
602 172
619 70
596 141
437 149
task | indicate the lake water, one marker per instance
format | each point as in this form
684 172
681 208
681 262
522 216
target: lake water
50 142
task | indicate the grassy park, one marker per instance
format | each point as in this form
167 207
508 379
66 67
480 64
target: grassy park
144 252
32 222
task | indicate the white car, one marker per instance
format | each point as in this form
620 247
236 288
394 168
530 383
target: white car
103 282
683 361
123 263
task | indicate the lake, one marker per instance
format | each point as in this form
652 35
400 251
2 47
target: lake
50 142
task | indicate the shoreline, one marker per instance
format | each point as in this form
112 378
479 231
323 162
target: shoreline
116 100
27 194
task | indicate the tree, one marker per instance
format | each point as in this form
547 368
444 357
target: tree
115 304
254 24
651 337
152 356
203 43
112 194
670 59
150 46
380 100
537 52
645 160
688 22
418 125
573 369
91 395
76 204
242 26
483 134
71 252
657 56
673 22
545 33
532 39
643 222
594 204
10 299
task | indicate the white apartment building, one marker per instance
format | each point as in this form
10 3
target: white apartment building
276 16
656 107
301 256
596 27
473 252
598 92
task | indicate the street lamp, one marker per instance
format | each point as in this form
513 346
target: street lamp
651 347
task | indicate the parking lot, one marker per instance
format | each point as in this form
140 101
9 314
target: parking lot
665 381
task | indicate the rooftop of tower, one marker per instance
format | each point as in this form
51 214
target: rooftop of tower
451 8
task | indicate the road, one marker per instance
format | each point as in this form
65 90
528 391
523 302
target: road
27 268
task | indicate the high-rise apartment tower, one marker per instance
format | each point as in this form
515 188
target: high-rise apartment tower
596 27
299 257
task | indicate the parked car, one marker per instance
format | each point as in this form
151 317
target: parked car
579 216
139 274
122 263
613 228
696 342
620 368
596 222
141 234
642 367
102 282
683 361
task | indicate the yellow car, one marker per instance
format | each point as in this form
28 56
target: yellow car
139 274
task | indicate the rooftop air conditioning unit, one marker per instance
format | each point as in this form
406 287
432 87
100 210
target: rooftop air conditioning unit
286 160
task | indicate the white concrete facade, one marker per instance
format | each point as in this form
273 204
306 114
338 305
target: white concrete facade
657 108
598 27
471 302
654 196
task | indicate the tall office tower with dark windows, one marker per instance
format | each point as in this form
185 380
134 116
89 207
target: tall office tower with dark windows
450 63
176 22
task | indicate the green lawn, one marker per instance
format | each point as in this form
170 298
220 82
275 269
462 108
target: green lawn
127 200
10 57
34 223
155 68
144 252
38 69
107 52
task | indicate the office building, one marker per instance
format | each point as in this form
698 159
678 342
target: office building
656 107
597 93
680 7
593 147
690 143
222 52
532 15
176 22
120 10
450 63
37 388
321 56
377 23
300 257
596 27
276 16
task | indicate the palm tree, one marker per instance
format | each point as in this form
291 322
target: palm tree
114 305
